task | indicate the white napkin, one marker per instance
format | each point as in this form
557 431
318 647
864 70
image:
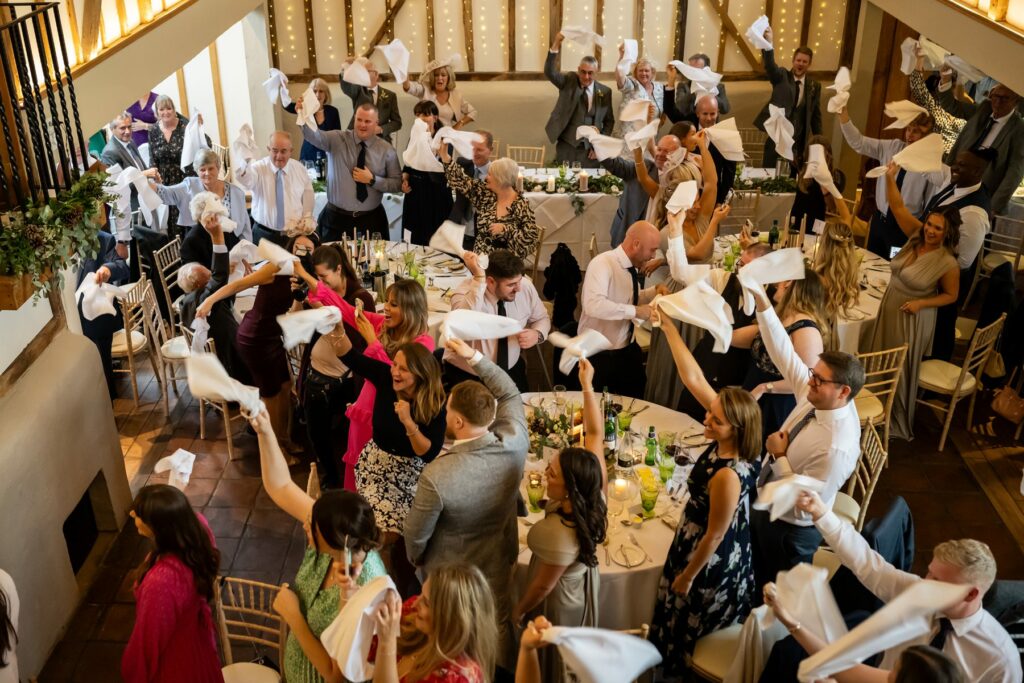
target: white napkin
635 111
194 141
418 154
201 326
597 655
702 80
208 379
804 592
180 464
780 130
817 169
470 325
449 238
582 36
904 618
630 53
298 328
350 635
683 197
923 156
277 87
310 106
356 73
243 148
904 111
699 304
674 159
779 495
206 204
755 34
584 345
397 57
842 88
967 72
285 261
639 137
605 146
97 299
118 184
726 137
462 140
934 54
784 264
243 251
908 56
679 268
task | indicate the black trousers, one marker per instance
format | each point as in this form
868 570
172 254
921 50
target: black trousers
260 232
335 221
884 234
621 370
452 375
326 424
779 546
945 318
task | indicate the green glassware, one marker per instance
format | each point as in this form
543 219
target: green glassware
625 419
736 248
535 491
649 497
666 467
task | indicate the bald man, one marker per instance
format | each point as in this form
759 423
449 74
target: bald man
613 297
282 192
634 198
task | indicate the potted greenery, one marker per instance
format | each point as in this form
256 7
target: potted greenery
37 243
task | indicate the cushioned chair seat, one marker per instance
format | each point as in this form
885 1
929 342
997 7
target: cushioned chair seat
998 258
868 405
247 672
119 346
715 652
846 508
938 375
175 349
824 557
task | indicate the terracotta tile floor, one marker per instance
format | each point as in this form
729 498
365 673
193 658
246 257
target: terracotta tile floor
259 542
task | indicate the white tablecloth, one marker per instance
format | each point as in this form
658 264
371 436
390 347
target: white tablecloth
626 596
556 214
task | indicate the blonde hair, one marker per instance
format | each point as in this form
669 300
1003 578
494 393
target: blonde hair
429 394
807 297
463 624
973 558
641 62
411 298
667 186
838 267
505 172
427 78
321 83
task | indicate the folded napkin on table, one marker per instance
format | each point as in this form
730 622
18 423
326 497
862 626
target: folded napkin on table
804 592
298 328
356 73
194 141
450 237
699 304
179 463
755 34
277 87
208 379
284 260
904 618
639 137
818 170
780 130
726 137
582 36
596 655
470 325
605 146
784 264
583 345
904 111
418 154
98 299
635 111
923 156
349 636
842 88
462 140
206 204
779 495
310 106
397 57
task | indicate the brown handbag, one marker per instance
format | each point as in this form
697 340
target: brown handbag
1008 403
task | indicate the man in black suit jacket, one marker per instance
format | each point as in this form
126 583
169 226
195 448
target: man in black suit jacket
106 266
389 120
798 94
197 247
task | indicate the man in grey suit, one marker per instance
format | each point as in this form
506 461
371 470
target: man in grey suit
389 120
798 94
465 505
634 199
991 124
582 101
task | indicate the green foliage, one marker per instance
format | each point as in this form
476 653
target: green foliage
771 186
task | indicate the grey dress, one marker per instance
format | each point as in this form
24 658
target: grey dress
912 278
573 600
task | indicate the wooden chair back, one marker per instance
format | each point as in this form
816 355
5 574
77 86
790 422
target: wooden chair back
982 344
245 615
869 469
536 253
1005 244
743 208
167 260
529 157
882 370
753 146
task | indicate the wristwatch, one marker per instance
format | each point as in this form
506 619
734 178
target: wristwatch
769 388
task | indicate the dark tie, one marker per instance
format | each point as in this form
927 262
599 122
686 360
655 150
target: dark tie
939 639
635 276
136 156
361 192
584 102
979 143
502 358
765 476
940 196
799 87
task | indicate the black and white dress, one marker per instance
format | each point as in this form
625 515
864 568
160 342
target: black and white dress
389 469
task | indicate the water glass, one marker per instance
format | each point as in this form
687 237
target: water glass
736 248
577 166
666 467
535 490
728 260
649 490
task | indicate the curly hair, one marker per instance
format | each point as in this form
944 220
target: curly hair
589 515
838 267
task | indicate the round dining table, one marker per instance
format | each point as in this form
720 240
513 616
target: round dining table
627 594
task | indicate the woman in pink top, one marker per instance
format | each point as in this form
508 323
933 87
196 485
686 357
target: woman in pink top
174 638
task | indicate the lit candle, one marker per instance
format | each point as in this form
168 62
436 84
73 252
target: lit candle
620 486
551 183
584 179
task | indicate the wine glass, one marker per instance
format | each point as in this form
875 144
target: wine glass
535 490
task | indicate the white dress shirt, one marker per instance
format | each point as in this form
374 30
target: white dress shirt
608 296
974 227
260 178
994 131
828 447
527 308
978 643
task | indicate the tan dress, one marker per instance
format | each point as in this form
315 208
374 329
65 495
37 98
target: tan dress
573 600
912 278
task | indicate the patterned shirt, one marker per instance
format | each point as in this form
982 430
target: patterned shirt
521 232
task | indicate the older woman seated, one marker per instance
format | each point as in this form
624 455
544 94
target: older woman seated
196 246
504 219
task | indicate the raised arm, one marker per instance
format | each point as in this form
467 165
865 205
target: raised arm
277 480
263 276
649 184
689 370
945 95
859 143
907 221
709 174
509 418
774 71
780 347
593 420
556 77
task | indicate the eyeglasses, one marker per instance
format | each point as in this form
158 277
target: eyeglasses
303 251
818 380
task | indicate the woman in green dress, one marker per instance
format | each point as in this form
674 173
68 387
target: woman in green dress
342 532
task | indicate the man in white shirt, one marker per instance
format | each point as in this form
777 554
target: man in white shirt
614 301
500 290
965 632
819 439
282 192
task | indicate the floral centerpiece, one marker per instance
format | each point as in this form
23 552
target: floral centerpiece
567 182
768 186
549 428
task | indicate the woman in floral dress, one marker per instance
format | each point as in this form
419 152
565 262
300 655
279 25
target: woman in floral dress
708 581
166 140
